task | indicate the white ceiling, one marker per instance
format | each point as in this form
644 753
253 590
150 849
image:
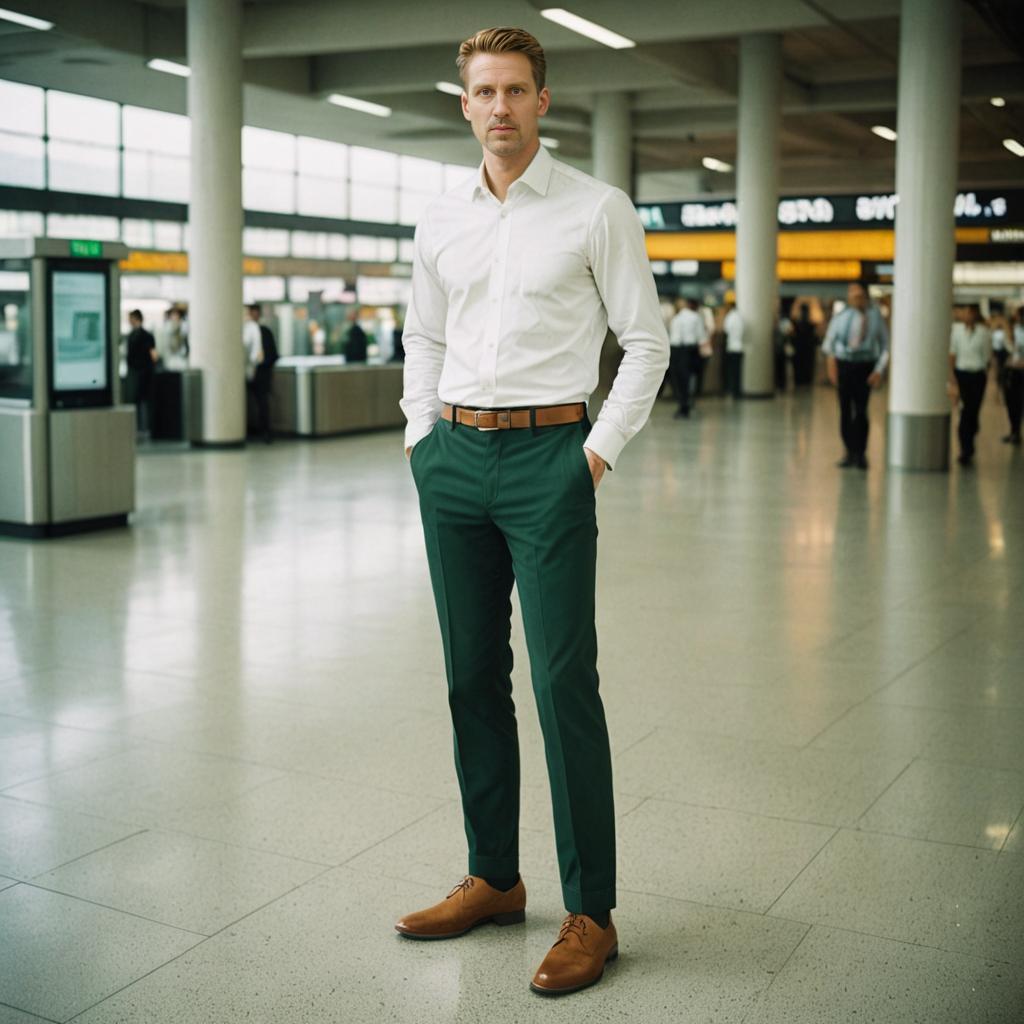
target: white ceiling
840 69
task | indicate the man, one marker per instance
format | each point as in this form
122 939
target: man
517 276
263 379
252 343
686 333
970 352
857 346
733 327
141 359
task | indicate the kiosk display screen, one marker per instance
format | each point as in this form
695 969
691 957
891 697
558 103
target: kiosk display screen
79 330
15 330
79 334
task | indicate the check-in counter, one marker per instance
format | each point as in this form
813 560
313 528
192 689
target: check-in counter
315 396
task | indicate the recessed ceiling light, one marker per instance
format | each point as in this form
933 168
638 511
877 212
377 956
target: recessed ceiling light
169 67
575 23
716 165
546 140
997 101
363 106
449 87
1014 147
25 19
883 132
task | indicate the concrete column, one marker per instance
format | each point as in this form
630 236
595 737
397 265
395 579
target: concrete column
612 140
757 191
215 215
926 172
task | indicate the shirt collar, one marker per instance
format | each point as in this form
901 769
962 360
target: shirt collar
537 175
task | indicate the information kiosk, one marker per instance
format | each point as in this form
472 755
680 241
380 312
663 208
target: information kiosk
67 448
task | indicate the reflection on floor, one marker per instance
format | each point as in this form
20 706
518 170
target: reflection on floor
225 763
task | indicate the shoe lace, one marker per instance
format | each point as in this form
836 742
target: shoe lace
573 924
464 886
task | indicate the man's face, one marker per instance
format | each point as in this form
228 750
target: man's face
502 104
857 297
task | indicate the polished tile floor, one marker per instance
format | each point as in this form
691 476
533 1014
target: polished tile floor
225 756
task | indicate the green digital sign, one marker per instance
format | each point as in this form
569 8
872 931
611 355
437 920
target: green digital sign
85 247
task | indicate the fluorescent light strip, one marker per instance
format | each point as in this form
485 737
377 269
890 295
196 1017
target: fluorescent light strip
716 165
997 101
1014 147
449 87
575 23
169 67
25 19
883 132
363 106
550 143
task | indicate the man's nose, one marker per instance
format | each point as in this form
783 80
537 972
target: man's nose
500 104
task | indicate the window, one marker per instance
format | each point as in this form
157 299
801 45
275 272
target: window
374 203
373 166
137 233
73 225
364 247
150 175
406 250
16 223
169 235
265 242
21 108
78 167
319 245
322 197
81 119
322 159
268 150
421 175
268 190
21 161
154 131
387 250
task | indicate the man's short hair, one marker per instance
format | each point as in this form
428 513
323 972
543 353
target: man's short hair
504 40
255 307
135 314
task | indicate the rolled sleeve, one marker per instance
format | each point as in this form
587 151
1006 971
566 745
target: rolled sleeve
423 340
622 273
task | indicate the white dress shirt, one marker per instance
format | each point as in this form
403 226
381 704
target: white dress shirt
511 303
252 342
733 327
972 347
687 328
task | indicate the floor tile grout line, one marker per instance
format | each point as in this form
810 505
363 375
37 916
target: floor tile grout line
1018 821
113 910
885 789
761 996
408 825
29 1013
203 939
794 879
82 856
924 657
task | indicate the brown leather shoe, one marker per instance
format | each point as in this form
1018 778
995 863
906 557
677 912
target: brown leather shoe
577 959
470 903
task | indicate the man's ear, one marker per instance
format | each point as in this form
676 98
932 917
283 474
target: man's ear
543 102
464 101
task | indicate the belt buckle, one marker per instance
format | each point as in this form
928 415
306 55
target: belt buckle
487 412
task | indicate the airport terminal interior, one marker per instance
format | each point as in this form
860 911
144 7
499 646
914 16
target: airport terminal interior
226 764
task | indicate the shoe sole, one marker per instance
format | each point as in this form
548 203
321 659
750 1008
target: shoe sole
613 955
515 917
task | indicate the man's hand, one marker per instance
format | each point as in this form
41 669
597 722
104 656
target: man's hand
833 371
874 380
597 466
408 451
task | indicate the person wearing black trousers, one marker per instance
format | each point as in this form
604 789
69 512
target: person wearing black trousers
857 346
1013 380
970 352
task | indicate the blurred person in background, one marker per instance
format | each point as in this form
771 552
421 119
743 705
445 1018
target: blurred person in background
970 352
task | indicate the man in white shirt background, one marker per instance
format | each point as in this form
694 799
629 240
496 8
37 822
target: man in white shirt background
518 275
733 327
857 346
686 334
970 352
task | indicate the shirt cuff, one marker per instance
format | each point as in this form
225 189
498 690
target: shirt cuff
606 441
416 431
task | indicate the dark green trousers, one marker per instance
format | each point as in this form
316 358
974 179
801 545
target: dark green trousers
518 505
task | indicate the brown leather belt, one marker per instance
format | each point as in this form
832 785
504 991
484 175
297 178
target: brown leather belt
514 419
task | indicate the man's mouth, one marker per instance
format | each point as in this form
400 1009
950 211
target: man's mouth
502 128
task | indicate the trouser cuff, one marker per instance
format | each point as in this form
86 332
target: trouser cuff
493 867
594 901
